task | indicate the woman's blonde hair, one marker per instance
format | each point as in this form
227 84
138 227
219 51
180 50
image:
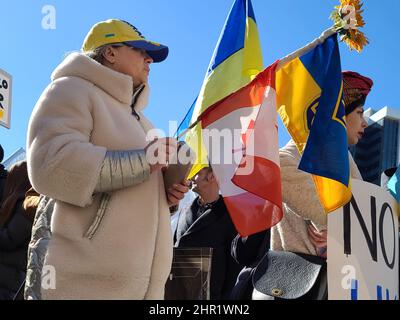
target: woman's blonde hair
98 53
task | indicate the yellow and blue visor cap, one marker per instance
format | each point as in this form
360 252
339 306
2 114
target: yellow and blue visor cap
118 31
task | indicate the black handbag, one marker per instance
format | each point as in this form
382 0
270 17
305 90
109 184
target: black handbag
286 275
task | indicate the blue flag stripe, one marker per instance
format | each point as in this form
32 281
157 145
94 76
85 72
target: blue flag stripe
326 152
186 122
233 34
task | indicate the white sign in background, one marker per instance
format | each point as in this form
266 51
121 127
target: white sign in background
363 246
5 99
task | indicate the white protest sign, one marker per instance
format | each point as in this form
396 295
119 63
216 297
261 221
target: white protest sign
5 98
363 246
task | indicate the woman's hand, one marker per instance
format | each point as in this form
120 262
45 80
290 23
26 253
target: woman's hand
319 239
177 192
159 152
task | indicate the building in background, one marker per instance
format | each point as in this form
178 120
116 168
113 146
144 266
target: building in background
379 148
17 156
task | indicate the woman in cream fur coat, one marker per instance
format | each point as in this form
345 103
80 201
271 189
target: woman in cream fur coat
111 235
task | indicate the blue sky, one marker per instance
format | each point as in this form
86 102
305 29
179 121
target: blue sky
191 29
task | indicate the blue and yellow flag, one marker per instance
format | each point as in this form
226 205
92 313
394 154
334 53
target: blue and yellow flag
237 59
310 102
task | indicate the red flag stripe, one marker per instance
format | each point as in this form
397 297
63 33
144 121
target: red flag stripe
251 95
262 180
264 214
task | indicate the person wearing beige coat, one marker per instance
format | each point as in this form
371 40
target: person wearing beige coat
111 235
304 223
300 204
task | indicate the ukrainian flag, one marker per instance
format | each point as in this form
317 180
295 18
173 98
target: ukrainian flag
310 102
237 59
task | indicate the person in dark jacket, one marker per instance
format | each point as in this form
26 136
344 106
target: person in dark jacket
248 251
207 223
16 217
3 174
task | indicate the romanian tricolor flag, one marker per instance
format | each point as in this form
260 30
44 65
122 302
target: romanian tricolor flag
310 100
241 136
236 61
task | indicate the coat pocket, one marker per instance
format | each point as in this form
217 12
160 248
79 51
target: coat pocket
104 201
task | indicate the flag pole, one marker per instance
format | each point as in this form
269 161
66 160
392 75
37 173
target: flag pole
325 35
187 130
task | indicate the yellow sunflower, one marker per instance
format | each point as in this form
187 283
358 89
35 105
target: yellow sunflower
349 29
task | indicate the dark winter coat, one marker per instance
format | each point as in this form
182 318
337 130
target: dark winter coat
14 239
3 178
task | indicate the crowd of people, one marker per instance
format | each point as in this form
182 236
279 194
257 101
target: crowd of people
90 199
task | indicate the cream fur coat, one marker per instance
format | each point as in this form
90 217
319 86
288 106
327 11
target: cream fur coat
84 112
